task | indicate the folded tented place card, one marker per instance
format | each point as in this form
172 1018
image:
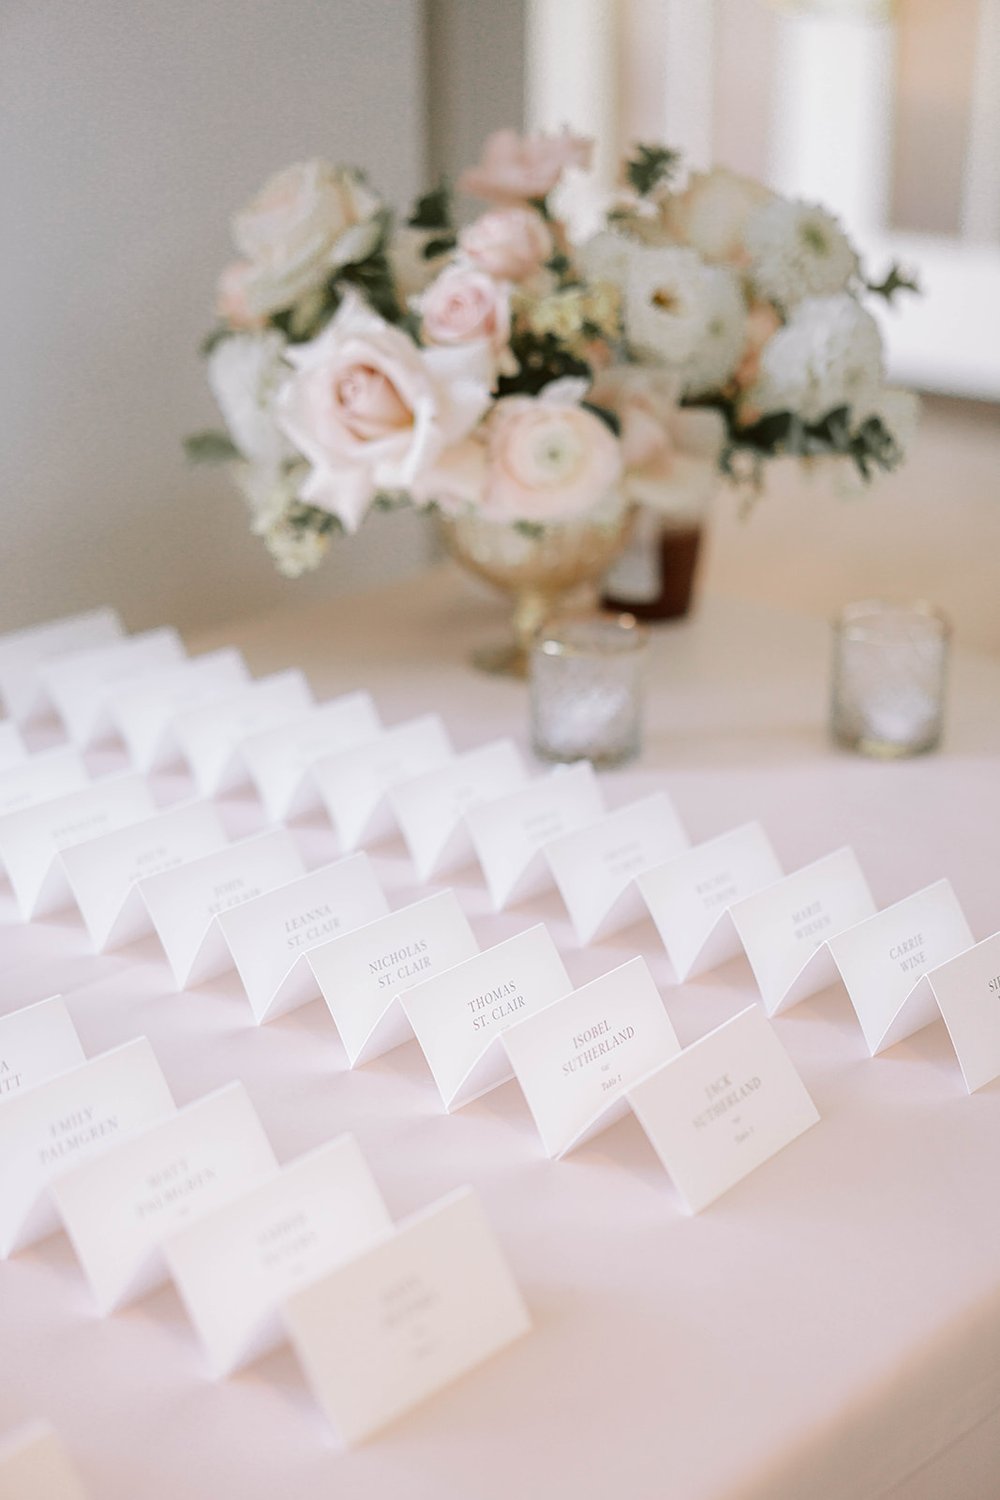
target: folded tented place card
118 1207
184 903
12 747
575 1059
402 1320
430 809
104 873
689 897
722 1107
967 992
353 784
884 962
50 773
141 711
595 867
785 927
210 734
31 840
36 1043
459 1016
23 652
34 1465
234 1267
362 974
270 936
67 1120
508 833
79 684
280 760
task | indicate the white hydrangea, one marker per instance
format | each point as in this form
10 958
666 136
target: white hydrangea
720 347
828 355
797 250
667 301
245 372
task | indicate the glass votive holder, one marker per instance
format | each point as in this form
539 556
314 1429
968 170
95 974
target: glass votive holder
889 671
586 689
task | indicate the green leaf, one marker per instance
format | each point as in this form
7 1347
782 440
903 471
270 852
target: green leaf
609 418
531 529
433 210
440 245
212 447
650 167
895 280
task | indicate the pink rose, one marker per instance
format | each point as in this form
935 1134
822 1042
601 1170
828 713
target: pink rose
464 305
670 453
510 243
232 302
513 168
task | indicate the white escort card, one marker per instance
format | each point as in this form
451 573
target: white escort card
34 1465
459 1017
425 1305
430 809
280 760
31 840
104 873
785 927
141 711
722 1107
509 832
354 783
13 751
595 867
270 936
967 992
79 684
210 734
66 1120
689 897
576 1059
884 960
36 1043
235 1266
50 773
184 904
118 1207
23 652
362 974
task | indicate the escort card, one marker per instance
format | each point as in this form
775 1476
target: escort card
210 734
784 928
31 840
50 773
12 747
22 653
362 974
722 1107
595 867
575 1059
280 760
460 1016
36 1043
118 1207
235 1266
404 1319
353 784
967 991
34 1465
430 809
184 903
689 897
270 936
508 833
141 711
884 959
104 873
79 684
66 1120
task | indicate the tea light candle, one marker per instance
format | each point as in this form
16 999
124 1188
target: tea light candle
889 673
586 689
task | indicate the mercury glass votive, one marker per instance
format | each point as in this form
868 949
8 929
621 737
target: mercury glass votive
586 689
889 672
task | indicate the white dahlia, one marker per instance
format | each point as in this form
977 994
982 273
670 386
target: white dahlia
828 355
797 250
667 301
720 347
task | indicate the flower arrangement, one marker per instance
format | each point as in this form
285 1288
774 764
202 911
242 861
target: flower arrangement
359 362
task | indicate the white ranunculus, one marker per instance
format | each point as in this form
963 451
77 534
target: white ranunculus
667 301
720 348
828 355
245 373
797 250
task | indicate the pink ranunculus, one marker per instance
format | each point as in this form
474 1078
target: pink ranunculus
370 411
517 169
231 301
670 453
510 243
549 461
464 305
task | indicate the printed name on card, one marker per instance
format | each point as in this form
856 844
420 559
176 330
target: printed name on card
235 1266
722 1107
406 1318
32 840
34 1465
184 904
13 751
509 832
967 992
785 928
141 711
48 774
270 936
280 760
362 974
353 784
576 1059
690 895
118 1207
67 1120
79 685
430 809
22 653
595 867
36 1043
210 734
460 1016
